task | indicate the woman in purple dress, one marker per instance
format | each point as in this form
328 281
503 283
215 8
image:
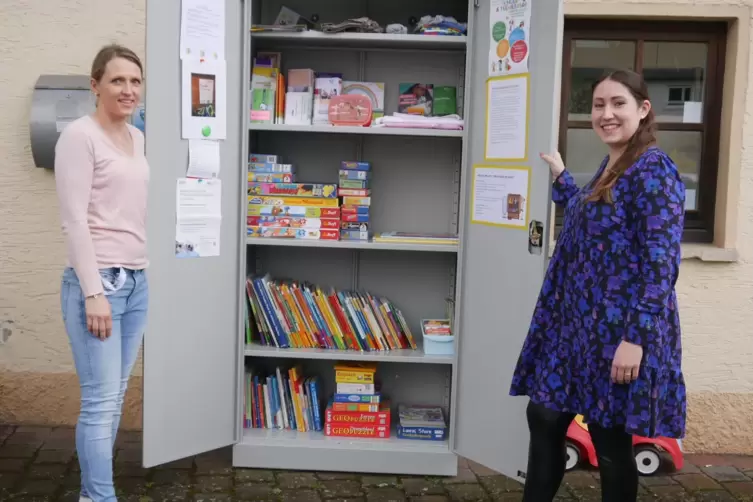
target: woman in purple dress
604 340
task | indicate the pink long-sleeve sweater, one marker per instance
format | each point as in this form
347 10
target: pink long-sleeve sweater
102 194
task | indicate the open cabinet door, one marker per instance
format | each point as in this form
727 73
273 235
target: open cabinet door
191 345
500 277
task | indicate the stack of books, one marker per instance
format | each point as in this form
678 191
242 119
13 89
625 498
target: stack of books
356 409
421 422
417 238
278 207
355 196
282 400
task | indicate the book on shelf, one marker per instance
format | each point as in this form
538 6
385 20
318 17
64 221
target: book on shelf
282 400
290 314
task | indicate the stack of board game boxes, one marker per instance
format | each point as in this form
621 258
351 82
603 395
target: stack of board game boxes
356 409
355 195
278 207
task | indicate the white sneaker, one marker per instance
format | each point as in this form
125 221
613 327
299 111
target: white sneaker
84 499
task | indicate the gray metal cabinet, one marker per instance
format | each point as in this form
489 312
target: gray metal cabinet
194 351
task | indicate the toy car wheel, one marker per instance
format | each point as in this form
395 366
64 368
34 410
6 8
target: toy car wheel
647 459
572 456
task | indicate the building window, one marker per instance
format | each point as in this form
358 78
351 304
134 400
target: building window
682 63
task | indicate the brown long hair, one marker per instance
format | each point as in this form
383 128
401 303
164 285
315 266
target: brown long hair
644 137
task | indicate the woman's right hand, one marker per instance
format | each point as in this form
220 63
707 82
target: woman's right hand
556 166
99 316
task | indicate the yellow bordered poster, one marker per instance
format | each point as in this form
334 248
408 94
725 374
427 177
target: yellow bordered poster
500 196
507 109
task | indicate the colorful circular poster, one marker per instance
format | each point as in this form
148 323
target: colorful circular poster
517 34
502 48
499 30
518 51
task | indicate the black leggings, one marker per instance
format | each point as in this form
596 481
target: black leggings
546 457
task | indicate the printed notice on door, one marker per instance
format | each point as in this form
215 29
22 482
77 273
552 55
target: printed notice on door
510 37
507 119
500 196
198 217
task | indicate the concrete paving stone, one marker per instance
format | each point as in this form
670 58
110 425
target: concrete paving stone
429 498
714 496
212 497
743 490
58 444
254 476
213 484
481 470
744 463
342 488
656 481
9 479
41 431
63 433
296 479
131 486
379 481
218 462
126 470
62 456
415 487
465 475
696 482
38 487
586 494
581 478
466 492
300 496
128 456
724 473
17 451
257 491
385 495
27 438
175 477
333 476
175 493
183 463
53 472
499 484
33 498
12 464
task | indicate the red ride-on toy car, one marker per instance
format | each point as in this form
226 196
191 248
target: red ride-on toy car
647 451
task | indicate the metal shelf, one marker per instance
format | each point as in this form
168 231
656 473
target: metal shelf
399 356
315 243
310 39
379 131
284 449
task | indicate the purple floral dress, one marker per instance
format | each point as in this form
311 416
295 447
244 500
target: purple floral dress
612 278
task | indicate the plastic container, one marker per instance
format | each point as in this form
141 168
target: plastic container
350 110
439 345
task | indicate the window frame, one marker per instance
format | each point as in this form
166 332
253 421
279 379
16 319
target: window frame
699 224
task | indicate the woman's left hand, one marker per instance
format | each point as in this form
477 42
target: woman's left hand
626 364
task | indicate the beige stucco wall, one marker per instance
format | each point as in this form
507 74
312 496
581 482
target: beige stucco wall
37 383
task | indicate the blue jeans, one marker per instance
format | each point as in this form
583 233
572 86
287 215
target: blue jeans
103 368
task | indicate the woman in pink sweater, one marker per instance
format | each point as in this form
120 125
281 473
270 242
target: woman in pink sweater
102 175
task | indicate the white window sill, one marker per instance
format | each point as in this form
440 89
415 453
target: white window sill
703 252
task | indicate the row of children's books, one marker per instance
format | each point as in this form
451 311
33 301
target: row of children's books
289 314
282 400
